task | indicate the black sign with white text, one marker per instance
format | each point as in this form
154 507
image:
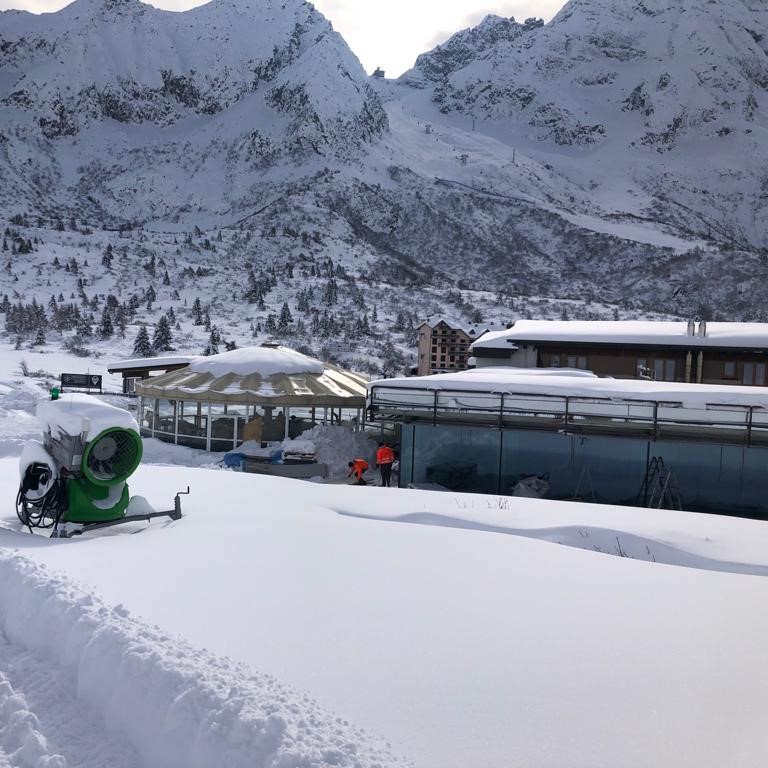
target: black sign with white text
80 381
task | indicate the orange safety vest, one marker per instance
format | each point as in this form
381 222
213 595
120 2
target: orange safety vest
357 469
385 455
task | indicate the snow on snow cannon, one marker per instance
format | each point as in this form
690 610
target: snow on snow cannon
76 479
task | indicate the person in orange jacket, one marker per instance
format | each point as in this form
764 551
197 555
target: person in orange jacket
357 468
385 457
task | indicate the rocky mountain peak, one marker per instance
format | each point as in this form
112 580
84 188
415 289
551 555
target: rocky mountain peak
469 44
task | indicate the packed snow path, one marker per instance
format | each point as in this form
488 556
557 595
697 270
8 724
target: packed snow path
44 725
87 686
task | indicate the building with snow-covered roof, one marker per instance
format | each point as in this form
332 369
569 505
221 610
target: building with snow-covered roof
577 436
444 343
708 353
264 394
140 368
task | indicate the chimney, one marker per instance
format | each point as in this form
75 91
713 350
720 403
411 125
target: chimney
702 329
691 327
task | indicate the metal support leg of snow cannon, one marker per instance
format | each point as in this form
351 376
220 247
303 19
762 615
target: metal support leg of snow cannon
175 514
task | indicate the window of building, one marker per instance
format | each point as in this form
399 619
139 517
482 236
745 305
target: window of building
729 370
754 374
577 361
664 370
554 361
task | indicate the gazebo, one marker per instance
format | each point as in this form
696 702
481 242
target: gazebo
264 394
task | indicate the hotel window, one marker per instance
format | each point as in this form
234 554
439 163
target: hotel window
577 362
664 370
729 370
754 374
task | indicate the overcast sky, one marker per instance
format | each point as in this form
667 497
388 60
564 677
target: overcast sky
383 33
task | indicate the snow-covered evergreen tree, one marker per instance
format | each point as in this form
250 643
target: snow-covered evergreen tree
163 336
142 346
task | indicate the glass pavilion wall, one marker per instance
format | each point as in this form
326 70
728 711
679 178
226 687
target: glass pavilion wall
710 456
710 477
222 427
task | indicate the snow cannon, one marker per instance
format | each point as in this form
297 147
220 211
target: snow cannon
75 480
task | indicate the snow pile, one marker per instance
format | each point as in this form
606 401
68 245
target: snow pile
334 446
18 400
177 705
158 452
79 414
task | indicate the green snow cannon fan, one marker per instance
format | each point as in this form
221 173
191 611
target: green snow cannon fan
75 480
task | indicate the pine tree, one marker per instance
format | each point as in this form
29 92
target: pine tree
166 278
285 317
84 328
197 312
39 336
163 336
142 346
106 329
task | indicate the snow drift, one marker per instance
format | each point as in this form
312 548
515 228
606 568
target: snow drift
177 705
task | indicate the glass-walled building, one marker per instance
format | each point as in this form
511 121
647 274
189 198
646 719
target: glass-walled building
263 394
702 448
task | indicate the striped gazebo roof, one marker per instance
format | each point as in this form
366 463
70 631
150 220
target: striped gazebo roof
266 375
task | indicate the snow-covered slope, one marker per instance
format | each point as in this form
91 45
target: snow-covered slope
117 106
468 637
466 630
664 99
519 159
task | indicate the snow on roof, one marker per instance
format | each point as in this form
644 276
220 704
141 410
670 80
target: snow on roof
457 323
150 362
266 374
640 332
532 381
265 361
81 414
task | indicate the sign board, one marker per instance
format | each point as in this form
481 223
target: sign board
87 381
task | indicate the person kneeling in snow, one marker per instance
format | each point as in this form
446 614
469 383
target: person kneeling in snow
356 469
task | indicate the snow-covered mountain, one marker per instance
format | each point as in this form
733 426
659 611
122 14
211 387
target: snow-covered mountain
615 156
662 99
124 110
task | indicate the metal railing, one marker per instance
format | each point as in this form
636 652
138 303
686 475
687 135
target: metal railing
563 412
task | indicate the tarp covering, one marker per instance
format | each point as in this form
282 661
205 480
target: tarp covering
260 375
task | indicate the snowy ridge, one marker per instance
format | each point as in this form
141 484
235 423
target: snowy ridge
649 97
148 98
176 705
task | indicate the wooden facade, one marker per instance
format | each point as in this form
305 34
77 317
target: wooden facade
746 366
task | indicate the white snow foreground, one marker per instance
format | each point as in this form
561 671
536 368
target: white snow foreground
177 706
